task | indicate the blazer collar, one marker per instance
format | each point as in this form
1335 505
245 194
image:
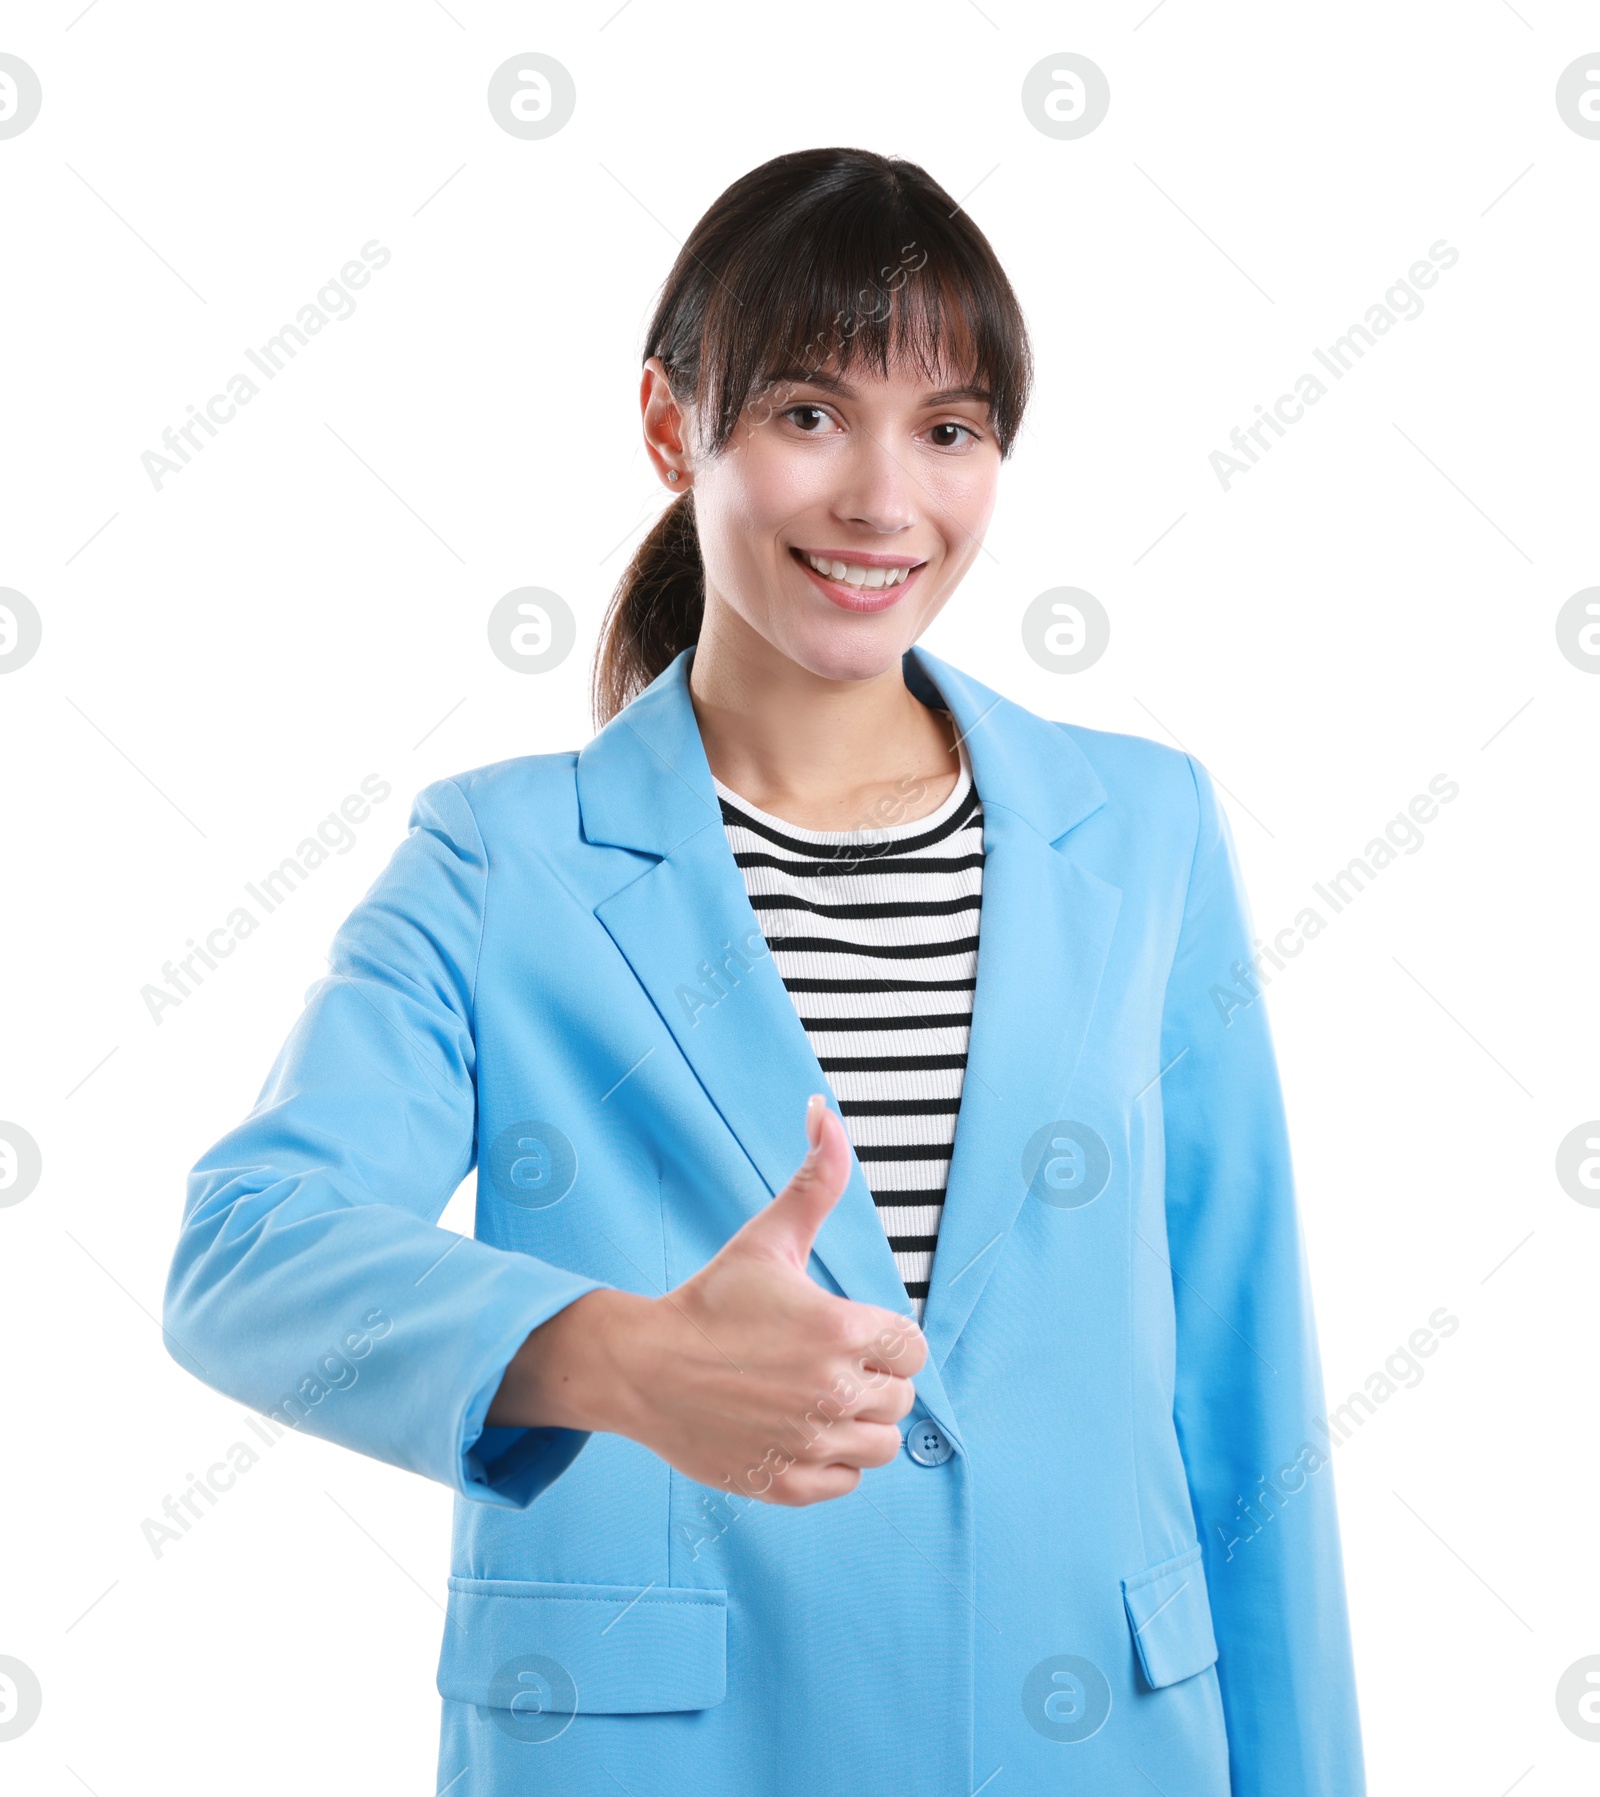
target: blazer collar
644 781
687 929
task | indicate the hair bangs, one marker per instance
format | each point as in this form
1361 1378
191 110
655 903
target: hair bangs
867 269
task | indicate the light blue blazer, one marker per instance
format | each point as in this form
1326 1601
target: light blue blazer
1112 1565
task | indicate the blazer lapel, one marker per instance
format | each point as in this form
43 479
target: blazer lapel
1044 934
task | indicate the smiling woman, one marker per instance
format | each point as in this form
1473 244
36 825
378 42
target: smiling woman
996 1357
836 399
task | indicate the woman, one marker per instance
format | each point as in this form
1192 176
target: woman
939 1453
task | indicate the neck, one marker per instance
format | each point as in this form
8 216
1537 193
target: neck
822 753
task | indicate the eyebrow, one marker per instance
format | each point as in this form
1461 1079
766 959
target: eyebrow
831 383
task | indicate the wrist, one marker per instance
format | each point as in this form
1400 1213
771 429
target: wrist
577 1369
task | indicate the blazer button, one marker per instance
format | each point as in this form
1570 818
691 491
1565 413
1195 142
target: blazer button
927 1443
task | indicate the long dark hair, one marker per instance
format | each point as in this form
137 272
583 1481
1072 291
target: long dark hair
805 263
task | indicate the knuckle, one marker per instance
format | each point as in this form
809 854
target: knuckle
842 1327
897 1341
817 1447
871 1372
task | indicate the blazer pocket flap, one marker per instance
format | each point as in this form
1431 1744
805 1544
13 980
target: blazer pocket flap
536 1648
1169 1612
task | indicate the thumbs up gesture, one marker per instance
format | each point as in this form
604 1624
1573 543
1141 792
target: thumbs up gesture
748 1377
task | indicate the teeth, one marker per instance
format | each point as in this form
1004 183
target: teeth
853 576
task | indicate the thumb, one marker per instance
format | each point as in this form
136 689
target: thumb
788 1225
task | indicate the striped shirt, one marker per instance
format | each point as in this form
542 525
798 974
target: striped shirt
875 934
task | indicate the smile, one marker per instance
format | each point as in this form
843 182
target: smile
854 575
859 586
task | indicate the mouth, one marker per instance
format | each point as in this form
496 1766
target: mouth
861 583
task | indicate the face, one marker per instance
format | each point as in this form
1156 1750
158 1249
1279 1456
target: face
842 514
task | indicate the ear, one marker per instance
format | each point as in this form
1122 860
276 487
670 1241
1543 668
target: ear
666 425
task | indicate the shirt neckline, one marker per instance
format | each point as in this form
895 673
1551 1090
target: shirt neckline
883 833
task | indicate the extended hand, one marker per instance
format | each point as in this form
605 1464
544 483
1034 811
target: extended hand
757 1380
748 1377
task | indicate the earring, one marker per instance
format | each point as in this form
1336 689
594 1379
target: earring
672 474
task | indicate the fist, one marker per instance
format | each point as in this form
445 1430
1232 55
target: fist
753 1379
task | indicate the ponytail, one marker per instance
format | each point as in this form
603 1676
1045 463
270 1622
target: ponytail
654 613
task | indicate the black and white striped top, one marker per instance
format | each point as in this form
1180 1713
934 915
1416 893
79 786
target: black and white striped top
875 934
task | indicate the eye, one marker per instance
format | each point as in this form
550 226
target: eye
950 424
815 411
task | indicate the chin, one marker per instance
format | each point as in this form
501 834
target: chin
851 654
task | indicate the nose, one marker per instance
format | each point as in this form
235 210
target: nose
878 490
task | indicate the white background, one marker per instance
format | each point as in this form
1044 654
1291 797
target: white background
223 660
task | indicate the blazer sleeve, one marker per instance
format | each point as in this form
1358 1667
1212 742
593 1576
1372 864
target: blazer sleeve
1248 1391
311 1280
